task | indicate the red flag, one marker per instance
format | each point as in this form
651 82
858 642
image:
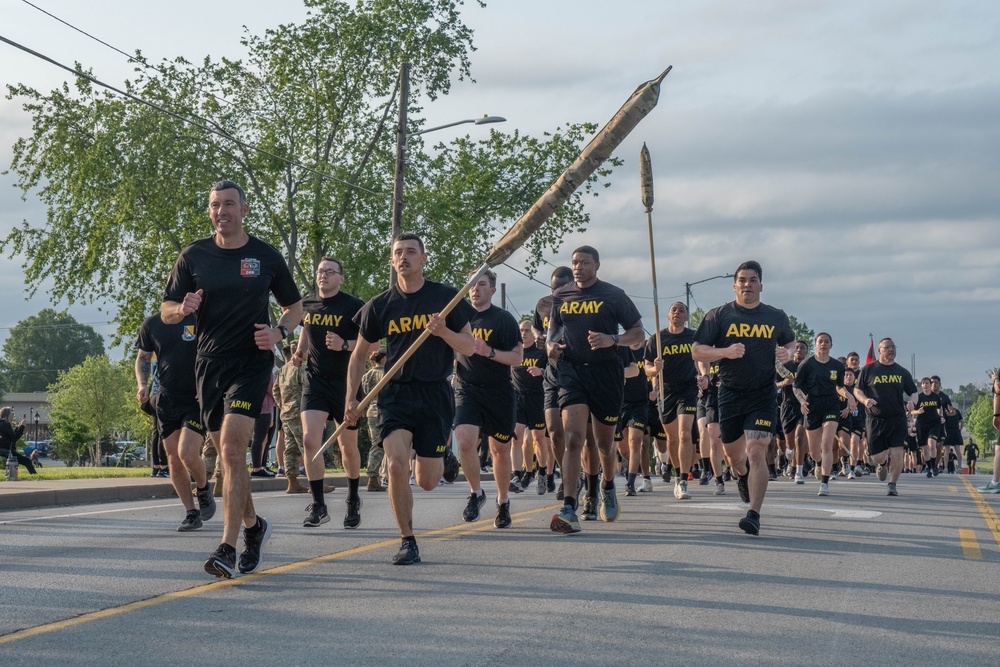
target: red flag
871 351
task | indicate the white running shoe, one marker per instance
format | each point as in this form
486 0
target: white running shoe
824 489
646 486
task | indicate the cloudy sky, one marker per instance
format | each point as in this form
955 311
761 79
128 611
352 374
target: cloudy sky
853 148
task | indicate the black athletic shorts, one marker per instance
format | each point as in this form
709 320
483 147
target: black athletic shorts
600 387
489 408
177 411
635 415
530 410
323 394
821 412
708 408
425 409
740 412
927 432
791 415
550 383
231 385
684 401
885 434
953 438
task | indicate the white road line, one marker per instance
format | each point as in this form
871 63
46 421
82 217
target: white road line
838 512
78 514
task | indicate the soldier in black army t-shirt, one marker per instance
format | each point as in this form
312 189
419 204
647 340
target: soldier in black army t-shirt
328 336
227 280
417 406
529 412
884 388
744 336
484 398
928 411
583 334
178 417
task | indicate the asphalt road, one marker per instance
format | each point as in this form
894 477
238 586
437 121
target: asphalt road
856 578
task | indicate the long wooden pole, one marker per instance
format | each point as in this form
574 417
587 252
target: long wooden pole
646 174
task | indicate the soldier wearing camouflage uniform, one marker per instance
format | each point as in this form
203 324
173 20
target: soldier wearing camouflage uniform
376 454
288 397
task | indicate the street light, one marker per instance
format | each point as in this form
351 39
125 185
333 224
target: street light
687 288
401 137
36 430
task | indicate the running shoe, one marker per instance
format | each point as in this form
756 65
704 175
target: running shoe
824 489
550 483
515 487
353 517
589 511
263 472
630 490
799 479
222 562
542 484
850 473
646 486
565 521
559 492
206 502
281 471
706 477
750 524
503 519
992 487
610 509
666 474
476 501
681 490
892 489
253 541
408 553
720 488
317 516
929 473
858 470
743 486
191 522
881 473
935 470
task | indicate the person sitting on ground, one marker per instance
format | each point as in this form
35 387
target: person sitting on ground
9 435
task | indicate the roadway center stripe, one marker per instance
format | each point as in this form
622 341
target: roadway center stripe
989 516
970 545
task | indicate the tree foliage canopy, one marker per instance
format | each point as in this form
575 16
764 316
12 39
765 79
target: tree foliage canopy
979 421
305 123
41 346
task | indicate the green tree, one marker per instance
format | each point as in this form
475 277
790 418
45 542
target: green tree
802 331
99 396
41 346
696 317
70 438
125 185
979 421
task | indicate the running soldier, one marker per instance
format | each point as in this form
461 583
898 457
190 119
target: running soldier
226 281
929 418
679 404
583 335
708 421
484 398
178 417
417 407
883 388
288 397
744 336
635 413
329 334
529 398
792 423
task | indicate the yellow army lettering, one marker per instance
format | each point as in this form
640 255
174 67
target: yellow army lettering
440 449
763 422
483 333
744 330
888 379
581 307
241 405
528 363
408 324
319 319
670 350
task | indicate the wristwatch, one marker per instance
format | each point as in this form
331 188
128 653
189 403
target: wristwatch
345 347
283 329
614 337
493 353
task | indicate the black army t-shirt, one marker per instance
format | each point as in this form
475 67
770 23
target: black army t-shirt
679 370
321 316
819 380
175 350
236 285
400 318
890 386
760 329
636 388
931 404
499 330
543 311
524 382
600 308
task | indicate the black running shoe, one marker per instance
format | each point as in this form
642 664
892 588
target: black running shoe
353 517
191 522
408 553
263 472
206 502
503 519
253 541
222 562
559 492
550 483
317 516
589 510
515 486
743 486
750 524
476 501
